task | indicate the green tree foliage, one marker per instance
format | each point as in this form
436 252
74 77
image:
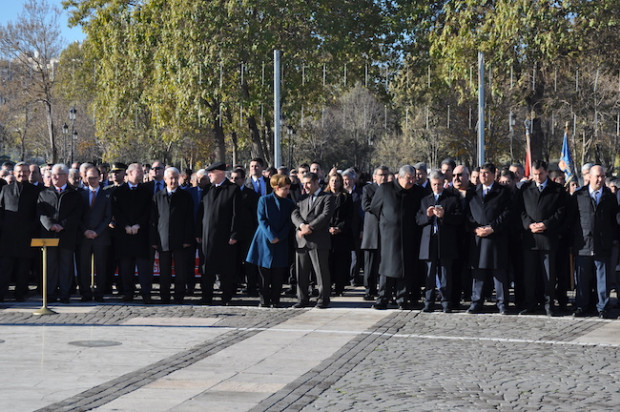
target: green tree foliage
167 70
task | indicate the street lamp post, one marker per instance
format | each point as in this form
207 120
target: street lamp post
65 130
72 113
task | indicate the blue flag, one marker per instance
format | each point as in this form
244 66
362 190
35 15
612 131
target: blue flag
566 160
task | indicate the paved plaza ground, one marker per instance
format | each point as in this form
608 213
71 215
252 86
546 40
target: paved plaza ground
132 357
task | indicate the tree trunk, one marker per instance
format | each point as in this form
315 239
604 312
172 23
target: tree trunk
234 148
219 152
257 146
50 131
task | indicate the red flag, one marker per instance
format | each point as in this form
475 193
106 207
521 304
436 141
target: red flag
528 152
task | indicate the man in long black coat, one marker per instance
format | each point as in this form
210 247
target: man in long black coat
395 204
370 239
131 206
18 225
440 217
594 216
488 213
218 231
172 234
60 211
542 207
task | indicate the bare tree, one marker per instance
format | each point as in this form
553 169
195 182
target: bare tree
34 42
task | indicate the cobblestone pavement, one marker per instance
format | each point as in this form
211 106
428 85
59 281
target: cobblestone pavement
406 360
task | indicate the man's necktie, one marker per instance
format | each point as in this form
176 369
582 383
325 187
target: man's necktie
93 197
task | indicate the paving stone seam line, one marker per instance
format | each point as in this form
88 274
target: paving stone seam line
503 340
308 387
108 391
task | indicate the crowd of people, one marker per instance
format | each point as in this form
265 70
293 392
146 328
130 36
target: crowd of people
413 237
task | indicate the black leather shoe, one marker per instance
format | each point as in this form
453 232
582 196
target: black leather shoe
368 297
147 300
602 314
527 312
322 306
503 312
127 298
579 313
65 300
300 305
86 299
403 306
473 310
379 306
263 305
99 299
427 309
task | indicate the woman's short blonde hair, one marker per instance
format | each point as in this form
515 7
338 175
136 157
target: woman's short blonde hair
277 181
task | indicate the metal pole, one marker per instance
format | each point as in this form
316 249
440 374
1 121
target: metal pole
276 109
480 108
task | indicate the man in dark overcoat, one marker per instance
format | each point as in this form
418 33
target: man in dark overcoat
172 234
488 214
60 211
395 204
594 216
131 206
541 204
370 238
18 225
440 217
218 232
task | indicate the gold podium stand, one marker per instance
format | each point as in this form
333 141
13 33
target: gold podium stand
44 244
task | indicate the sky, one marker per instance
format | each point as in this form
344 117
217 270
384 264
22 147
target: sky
12 8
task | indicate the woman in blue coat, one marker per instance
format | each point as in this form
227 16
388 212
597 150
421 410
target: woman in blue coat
269 249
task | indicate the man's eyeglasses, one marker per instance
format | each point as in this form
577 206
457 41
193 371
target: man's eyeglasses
157 168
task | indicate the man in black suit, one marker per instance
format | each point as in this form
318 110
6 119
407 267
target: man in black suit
257 181
131 206
370 238
542 207
248 272
95 236
311 219
395 204
172 234
440 217
488 213
218 231
18 225
60 212
422 177
595 216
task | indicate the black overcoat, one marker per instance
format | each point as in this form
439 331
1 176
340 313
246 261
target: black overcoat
18 220
129 208
370 236
489 252
172 220
64 209
548 207
219 222
396 210
595 227
446 246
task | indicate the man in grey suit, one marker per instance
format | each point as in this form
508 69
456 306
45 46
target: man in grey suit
95 237
311 219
